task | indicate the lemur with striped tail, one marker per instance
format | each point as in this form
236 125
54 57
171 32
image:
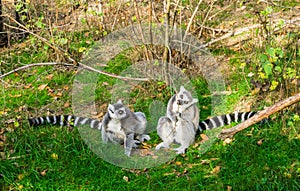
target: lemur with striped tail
119 125
181 122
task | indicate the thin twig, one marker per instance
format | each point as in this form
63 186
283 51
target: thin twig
79 64
205 19
191 19
111 75
115 19
35 64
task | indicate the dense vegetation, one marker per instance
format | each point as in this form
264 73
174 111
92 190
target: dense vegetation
255 46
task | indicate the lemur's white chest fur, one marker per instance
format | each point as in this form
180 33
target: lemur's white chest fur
115 126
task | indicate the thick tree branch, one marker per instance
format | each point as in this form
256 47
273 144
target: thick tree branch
229 133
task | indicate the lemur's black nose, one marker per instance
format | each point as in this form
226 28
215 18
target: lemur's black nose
179 102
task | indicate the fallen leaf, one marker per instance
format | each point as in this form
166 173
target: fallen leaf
15 96
54 156
227 141
126 178
44 172
205 161
66 87
42 87
260 142
204 138
49 77
178 163
59 94
146 145
67 104
28 86
21 176
216 170
229 188
146 152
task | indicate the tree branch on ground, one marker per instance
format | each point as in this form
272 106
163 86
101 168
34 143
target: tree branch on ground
229 133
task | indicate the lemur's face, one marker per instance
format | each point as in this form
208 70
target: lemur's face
184 99
117 110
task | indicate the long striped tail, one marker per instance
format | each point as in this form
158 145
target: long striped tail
66 120
226 119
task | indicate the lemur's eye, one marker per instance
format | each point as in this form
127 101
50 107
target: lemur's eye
120 112
185 102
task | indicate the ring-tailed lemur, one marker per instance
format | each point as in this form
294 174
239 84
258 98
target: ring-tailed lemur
119 125
181 122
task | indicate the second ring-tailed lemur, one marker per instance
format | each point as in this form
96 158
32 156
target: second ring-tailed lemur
119 125
181 122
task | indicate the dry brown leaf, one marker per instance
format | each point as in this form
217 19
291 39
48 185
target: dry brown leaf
28 86
42 87
204 138
49 77
216 170
44 172
260 142
66 87
146 152
227 141
59 94
67 104
229 188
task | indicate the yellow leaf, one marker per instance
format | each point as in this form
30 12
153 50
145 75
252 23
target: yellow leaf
42 87
21 176
178 163
216 170
15 96
54 156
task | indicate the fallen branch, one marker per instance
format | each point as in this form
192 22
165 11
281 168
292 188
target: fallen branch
229 133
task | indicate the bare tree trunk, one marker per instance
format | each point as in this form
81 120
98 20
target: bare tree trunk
3 35
166 51
229 133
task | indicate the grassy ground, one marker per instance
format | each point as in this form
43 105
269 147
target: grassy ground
263 157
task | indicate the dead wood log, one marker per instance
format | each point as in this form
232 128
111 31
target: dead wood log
229 133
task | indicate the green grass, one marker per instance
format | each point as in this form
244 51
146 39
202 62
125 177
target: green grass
54 158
